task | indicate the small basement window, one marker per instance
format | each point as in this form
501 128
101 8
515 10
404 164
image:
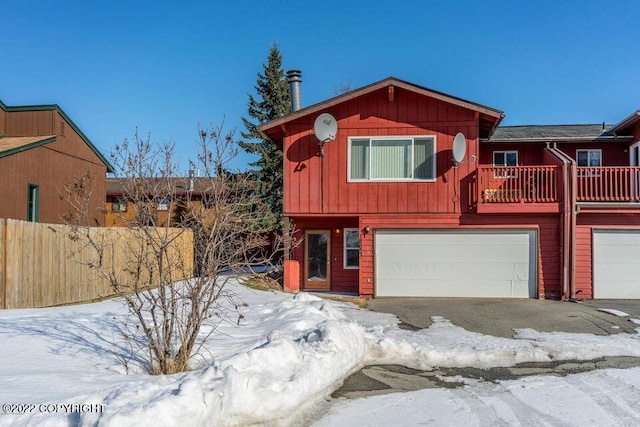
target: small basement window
351 248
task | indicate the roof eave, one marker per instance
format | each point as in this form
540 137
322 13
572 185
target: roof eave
558 139
56 107
269 127
627 122
27 146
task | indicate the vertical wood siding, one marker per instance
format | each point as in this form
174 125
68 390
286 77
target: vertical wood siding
342 280
30 123
2 120
584 245
314 185
50 166
45 267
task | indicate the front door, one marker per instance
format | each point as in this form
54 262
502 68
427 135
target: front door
317 268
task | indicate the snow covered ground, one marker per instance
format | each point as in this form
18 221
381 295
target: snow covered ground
280 362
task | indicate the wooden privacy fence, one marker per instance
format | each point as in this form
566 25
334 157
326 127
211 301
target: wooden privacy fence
43 265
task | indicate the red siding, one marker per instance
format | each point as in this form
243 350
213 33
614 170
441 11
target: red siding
342 280
316 185
584 245
532 154
529 154
613 153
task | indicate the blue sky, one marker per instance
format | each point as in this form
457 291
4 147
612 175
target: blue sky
164 67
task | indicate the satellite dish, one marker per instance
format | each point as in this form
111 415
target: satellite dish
325 128
459 147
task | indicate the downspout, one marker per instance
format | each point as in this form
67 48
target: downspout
573 219
565 222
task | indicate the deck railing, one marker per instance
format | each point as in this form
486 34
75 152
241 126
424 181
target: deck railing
608 184
519 184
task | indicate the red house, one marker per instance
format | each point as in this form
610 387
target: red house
530 212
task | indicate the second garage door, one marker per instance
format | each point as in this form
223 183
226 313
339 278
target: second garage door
455 263
616 264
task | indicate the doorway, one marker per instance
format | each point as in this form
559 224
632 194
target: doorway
317 266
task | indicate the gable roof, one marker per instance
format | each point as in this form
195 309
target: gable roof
15 144
57 108
489 117
554 133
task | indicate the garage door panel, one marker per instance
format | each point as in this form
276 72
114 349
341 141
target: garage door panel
466 288
452 270
616 264
479 254
455 263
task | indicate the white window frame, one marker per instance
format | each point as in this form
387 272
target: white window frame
589 151
394 138
345 249
504 174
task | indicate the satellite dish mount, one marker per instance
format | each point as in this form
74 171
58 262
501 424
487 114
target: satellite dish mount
459 150
325 128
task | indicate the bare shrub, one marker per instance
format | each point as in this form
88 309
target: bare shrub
219 208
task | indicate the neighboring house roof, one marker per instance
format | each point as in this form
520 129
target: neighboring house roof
180 185
489 117
627 122
15 144
554 133
57 108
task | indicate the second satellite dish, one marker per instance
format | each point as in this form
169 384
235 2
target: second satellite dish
459 148
325 128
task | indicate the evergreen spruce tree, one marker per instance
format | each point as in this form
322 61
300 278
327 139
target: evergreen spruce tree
271 102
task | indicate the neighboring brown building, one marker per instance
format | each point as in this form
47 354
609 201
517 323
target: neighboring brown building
41 150
168 197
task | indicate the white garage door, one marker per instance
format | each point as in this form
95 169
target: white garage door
616 264
460 263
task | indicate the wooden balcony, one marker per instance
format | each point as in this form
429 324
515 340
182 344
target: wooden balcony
521 189
608 184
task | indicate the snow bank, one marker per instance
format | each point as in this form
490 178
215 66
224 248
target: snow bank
446 345
286 353
300 347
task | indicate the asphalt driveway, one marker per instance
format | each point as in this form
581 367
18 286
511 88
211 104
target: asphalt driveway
499 317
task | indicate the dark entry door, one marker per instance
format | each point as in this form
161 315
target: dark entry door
317 268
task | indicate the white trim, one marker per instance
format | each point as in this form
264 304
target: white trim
393 138
503 174
589 150
632 147
344 249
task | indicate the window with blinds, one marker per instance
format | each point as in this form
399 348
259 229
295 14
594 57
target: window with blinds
392 158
